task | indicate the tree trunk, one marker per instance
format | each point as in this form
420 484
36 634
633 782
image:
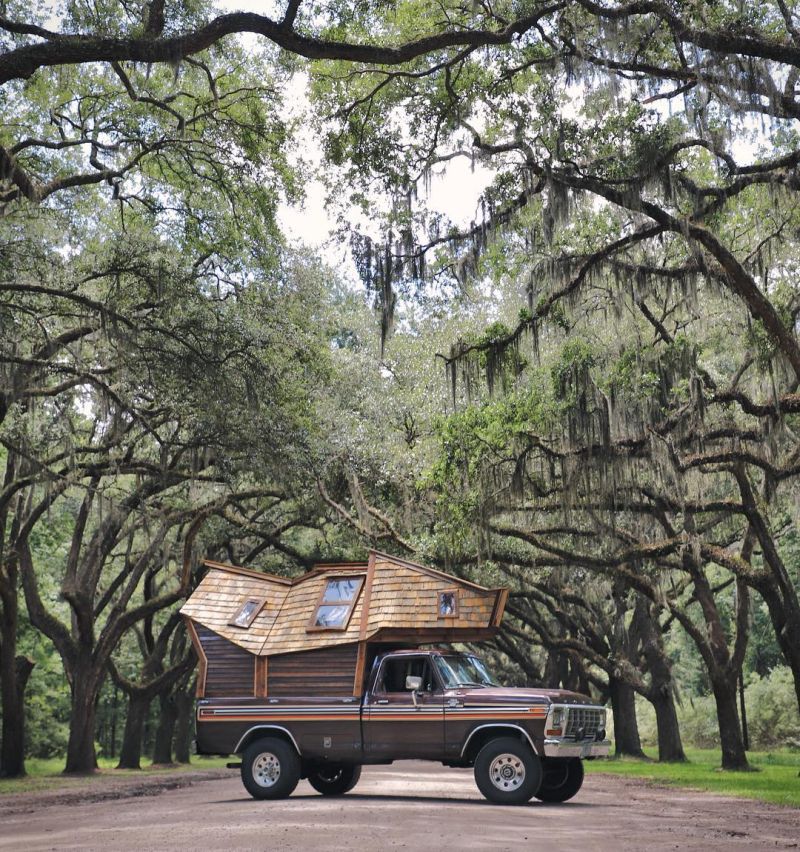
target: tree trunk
730 731
14 673
12 754
162 749
786 623
626 727
670 747
184 703
777 589
114 714
660 693
85 685
556 670
130 755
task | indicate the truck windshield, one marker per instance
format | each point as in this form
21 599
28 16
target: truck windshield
463 670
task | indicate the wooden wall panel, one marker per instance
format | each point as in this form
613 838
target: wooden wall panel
230 670
328 671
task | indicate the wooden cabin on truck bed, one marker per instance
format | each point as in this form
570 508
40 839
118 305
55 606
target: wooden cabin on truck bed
315 676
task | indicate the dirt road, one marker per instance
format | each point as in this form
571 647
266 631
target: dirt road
414 806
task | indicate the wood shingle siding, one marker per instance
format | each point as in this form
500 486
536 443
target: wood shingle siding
328 671
221 594
230 669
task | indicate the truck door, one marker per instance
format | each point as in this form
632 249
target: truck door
395 727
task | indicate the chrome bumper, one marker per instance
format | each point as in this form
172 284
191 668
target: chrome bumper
570 748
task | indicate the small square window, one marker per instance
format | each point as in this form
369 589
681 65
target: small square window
247 612
335 605
448 603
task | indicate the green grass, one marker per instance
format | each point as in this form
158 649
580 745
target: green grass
776 780
46 774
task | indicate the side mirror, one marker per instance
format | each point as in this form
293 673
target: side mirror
413 683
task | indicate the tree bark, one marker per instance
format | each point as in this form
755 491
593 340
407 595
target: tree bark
626 726
130 755
786 624
723 664
14 680
184 727
162 748
660 694
556 670
12 754
85 683
734 755
670 746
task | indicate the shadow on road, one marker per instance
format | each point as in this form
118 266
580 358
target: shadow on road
378 797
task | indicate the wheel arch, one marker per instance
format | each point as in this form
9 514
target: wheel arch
478 737
259 731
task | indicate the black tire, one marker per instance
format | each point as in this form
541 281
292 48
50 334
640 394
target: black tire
507 772
270 769
561 780
334 780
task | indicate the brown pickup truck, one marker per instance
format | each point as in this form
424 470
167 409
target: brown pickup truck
313 678
433 705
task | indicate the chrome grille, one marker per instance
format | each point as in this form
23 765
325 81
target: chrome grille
587 719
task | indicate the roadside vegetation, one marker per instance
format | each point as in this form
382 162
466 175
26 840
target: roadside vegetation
775 776
47 774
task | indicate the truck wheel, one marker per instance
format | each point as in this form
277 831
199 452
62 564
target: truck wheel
561 780
334 780
270 769
507 772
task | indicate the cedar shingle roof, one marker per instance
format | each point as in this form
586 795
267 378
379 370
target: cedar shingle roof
400 599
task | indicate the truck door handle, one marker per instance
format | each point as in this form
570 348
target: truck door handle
382 701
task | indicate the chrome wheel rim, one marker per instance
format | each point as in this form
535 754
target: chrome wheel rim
329 776
507 772
266 769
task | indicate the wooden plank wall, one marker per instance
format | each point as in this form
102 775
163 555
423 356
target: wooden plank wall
328 671
230 669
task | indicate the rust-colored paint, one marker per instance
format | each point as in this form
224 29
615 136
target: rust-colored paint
362 634
499 607
361 659
200 690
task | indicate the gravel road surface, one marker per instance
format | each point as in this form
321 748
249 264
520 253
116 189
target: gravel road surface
415 806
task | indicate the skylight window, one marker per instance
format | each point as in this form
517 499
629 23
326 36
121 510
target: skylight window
247 612
336 604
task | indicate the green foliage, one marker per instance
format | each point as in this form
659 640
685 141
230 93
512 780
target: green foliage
774 781
772 714
571 374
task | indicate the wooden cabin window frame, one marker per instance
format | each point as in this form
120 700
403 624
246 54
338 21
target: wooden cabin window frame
452 605
259 605
313 627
